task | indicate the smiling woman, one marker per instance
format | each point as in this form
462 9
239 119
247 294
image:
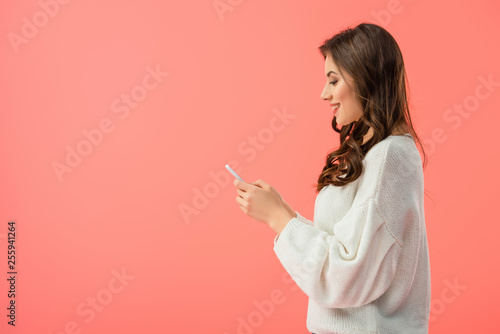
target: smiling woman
363 260
366 86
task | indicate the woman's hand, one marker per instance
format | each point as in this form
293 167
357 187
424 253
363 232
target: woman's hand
262 202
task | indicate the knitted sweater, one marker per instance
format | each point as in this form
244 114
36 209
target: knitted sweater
363 261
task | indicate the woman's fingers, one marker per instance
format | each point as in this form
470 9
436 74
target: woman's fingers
240 192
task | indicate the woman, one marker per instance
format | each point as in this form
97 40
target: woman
363 261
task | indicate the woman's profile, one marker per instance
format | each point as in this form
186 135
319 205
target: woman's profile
363 259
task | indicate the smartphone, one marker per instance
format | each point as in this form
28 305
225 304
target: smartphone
234 173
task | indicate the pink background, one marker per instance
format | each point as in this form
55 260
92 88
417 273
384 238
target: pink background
120 207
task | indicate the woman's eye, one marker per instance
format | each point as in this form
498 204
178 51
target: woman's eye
333 82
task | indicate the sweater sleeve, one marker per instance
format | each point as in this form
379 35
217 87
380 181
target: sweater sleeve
357 263
302 219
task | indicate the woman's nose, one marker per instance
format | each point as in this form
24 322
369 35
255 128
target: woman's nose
325 95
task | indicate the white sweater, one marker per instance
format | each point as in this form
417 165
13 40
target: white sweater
364 261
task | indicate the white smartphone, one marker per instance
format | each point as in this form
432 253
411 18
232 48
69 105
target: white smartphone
234 173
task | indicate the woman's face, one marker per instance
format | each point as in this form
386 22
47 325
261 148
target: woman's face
337 91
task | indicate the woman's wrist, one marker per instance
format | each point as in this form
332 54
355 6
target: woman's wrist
289 209
279 222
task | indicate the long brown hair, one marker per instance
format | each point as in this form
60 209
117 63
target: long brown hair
371 56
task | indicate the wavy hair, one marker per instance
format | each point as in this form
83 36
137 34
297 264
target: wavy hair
370 55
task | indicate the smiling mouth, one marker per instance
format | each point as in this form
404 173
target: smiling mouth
336 107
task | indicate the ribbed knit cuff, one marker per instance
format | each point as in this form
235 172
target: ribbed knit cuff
299 217
289 229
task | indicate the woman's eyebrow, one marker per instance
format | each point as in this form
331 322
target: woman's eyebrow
328 74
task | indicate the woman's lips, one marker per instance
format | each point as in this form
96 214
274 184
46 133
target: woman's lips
335 107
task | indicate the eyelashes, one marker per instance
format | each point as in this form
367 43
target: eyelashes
333 82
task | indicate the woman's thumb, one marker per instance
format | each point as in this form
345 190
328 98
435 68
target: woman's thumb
259 183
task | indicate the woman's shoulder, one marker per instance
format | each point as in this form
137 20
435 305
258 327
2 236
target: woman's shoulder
394 151
402 148
394 143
